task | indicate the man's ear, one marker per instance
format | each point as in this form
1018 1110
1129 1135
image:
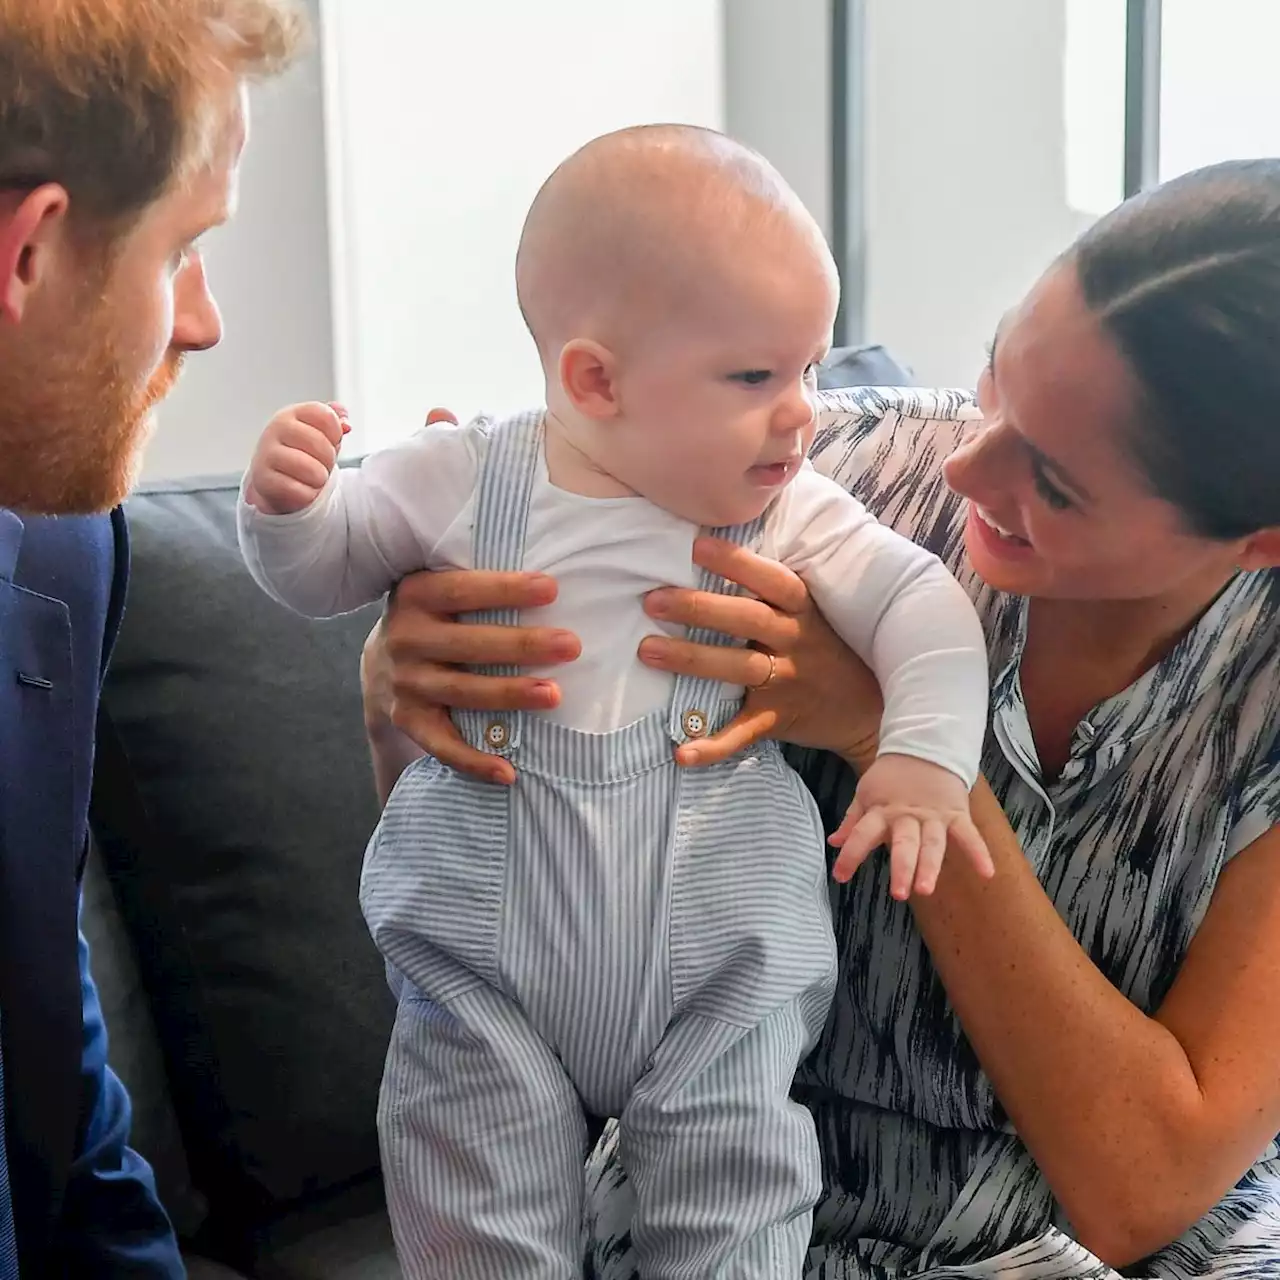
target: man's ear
1261 550
589 378
32 230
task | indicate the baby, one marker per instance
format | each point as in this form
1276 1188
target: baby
613 934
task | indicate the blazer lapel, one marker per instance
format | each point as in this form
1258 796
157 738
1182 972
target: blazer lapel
39 978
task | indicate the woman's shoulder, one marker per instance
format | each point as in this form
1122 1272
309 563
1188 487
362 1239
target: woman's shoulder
887 447
1250 636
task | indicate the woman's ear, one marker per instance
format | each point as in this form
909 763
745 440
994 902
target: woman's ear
589 378
1261 550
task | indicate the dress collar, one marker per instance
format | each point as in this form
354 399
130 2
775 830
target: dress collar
1226 635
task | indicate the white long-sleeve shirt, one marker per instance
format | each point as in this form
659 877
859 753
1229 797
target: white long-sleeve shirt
411 507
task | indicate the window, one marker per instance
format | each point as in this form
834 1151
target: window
1219 87
991 133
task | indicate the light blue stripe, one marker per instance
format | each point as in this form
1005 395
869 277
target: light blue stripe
611 933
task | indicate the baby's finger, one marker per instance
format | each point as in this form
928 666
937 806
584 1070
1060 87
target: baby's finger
294 464
276 493
303 438
933 848
867 835
904 855
968 840
853 816
324 418
343 416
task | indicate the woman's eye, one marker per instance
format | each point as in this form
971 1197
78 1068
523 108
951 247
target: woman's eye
753 377
1051 494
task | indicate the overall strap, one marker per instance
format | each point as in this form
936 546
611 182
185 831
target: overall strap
696 700
497 543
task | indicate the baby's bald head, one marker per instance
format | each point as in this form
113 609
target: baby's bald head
632 225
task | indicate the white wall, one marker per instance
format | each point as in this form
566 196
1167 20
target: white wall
757 67
967 171
451 116
270 273
439 131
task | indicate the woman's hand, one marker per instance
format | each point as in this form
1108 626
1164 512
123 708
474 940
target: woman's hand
411 667
814 692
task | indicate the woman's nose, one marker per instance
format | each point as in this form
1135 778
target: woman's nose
983 465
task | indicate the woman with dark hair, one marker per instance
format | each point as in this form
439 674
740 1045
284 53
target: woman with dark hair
1071 1071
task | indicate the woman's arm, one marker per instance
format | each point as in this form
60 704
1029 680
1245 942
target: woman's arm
1139 1124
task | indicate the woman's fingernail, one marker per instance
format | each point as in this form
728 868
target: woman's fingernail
545 690
651 650
564 645
659 604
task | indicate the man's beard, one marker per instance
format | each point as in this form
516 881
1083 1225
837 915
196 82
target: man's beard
72 423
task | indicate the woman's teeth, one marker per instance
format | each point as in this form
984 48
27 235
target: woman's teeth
996 526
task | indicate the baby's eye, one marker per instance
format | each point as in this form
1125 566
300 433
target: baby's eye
752 377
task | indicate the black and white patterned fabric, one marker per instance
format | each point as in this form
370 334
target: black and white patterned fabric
1166 783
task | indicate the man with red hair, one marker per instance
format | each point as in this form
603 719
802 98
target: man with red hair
121 129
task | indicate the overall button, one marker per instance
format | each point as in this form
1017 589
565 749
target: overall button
497 735
695 724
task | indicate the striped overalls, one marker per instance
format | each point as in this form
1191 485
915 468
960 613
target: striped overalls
614 935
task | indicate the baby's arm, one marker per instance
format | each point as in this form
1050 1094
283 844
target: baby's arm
324 541
900 610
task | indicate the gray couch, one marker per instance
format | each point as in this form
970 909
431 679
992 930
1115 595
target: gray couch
246 1006
232 801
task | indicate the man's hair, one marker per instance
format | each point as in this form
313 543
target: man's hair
111 98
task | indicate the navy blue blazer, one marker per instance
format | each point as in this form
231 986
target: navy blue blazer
84 1203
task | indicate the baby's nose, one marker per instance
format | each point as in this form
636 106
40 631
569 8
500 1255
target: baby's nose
793 414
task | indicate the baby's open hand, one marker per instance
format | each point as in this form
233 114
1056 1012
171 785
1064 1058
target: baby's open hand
295 457
915 808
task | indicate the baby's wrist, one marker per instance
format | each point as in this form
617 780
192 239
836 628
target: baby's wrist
861 755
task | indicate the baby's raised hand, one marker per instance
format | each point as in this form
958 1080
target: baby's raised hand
915 808
295 457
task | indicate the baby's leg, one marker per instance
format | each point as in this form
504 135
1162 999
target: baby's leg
724 1166
483 1141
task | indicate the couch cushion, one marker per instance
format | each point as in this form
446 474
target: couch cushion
135 1053
233 800
870 365
358 1248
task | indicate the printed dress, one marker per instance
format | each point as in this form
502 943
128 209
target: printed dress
924 1176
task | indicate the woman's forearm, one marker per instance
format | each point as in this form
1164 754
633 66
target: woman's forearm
1104 1096
392 753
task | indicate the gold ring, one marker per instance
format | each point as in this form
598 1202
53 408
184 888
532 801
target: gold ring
768 680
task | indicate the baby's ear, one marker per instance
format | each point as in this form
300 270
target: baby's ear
1261 550
588 377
